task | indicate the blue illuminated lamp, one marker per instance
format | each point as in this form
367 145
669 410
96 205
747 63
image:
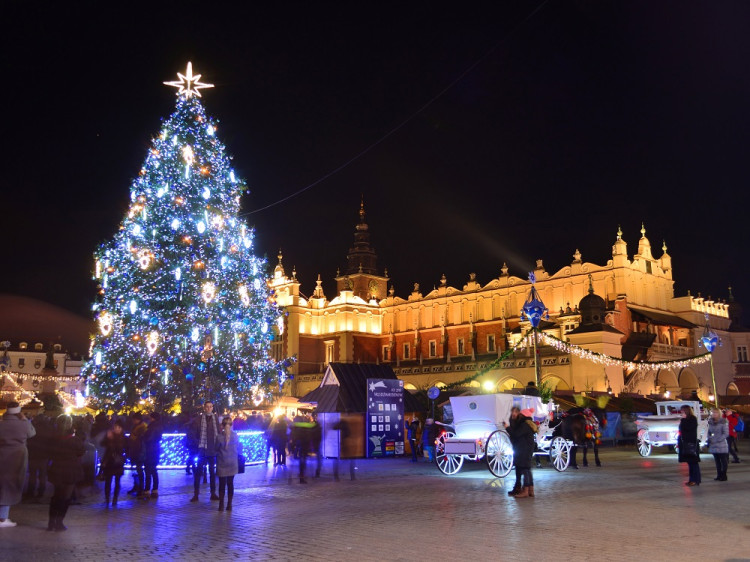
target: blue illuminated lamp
534 311
710 340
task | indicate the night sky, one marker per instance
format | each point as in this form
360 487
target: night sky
476 135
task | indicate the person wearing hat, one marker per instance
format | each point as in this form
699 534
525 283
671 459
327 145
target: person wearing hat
521 430
15 429
531 389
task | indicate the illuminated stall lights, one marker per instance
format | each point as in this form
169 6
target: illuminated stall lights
174 451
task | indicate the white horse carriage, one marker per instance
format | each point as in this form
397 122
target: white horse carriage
477 432
557 448
663 428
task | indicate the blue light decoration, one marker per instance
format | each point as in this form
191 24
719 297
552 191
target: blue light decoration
534 311
174 451
710 340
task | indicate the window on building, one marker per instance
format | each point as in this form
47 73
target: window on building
407 351
491 343
648 267
742 353
386 353
433 348
21 363
329 352
460 350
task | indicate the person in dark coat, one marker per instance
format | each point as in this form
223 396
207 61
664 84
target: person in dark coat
301 439
113 460
411 434
429 435
191 440
38 447
206 429
279 440
151 454
316 440
15 430
689 448
521 431
531 389
135 451
65 471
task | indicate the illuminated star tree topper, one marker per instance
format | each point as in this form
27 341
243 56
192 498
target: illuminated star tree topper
188 84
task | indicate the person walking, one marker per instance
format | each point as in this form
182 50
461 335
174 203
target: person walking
521 430
227 467
135 451
206 431
151 454
429 435
113 461
718 446
316 440
191 440
38 447
279 438
342 426
411 434
733 420
65 471
301 439
689 448
15 430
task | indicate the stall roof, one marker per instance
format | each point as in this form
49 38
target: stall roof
665 318
344 388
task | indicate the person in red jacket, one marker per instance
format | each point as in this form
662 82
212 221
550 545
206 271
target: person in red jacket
733 418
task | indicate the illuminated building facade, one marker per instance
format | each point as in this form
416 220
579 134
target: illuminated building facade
450 333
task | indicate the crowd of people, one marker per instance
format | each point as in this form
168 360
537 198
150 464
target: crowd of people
723 427
72 451
62 450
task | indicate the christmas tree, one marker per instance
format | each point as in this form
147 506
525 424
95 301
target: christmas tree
183 309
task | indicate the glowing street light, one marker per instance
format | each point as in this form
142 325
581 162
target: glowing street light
710 340
534 311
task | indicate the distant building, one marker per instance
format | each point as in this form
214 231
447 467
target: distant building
27 369
449 333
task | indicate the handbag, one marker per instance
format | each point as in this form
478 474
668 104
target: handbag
240 464
689 449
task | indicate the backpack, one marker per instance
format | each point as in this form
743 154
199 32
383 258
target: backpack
740 427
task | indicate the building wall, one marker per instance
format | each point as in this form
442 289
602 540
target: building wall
378 331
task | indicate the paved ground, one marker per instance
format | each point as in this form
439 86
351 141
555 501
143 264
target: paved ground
630 509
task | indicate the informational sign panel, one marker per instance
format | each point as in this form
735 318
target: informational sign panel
385 417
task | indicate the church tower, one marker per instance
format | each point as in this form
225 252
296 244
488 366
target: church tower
360 275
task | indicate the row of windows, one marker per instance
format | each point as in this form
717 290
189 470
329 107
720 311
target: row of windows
432 348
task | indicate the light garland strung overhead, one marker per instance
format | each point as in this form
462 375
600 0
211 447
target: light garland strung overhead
607 360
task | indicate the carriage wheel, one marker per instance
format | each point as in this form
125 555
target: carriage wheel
559 453
644 445
499 453
448 464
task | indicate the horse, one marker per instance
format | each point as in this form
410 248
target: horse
582 426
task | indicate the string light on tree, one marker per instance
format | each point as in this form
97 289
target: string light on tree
170 323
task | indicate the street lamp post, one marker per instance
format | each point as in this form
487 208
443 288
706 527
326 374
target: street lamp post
534 310
710 340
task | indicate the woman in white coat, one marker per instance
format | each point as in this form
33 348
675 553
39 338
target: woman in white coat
227 451
15 429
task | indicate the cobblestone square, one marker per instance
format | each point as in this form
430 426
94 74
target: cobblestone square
632 508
